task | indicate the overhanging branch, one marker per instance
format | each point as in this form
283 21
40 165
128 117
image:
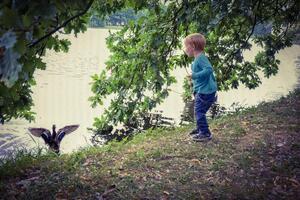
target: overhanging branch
62 25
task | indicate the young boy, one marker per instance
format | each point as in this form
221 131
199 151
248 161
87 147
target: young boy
204 84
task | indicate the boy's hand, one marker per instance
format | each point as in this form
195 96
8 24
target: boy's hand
189 77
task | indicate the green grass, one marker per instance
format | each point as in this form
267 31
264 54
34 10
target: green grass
254 154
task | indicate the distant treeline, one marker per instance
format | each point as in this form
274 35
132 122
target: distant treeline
117 19
121 18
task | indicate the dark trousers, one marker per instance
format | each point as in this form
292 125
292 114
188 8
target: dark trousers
202 103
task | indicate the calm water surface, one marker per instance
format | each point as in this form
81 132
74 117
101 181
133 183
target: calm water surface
62 91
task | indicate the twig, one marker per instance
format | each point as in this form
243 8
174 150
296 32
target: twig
62 25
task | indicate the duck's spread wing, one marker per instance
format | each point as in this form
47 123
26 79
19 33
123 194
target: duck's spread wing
65 130
41 132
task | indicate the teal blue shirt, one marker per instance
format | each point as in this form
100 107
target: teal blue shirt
203 78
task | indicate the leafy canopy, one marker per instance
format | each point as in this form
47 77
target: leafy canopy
145 51
27 30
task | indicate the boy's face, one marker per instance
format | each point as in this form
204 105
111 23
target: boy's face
188 49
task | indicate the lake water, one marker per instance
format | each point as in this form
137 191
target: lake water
62 91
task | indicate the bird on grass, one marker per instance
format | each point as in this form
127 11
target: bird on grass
53 139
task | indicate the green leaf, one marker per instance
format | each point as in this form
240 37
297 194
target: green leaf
20 46
9 17
38 32
26 20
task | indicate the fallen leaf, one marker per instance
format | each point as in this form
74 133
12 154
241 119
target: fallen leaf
294 182
280 144
110 189
87 162
196 161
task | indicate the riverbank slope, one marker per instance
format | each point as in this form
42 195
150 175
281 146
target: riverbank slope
255 154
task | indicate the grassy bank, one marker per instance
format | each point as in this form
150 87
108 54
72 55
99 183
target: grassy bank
255 154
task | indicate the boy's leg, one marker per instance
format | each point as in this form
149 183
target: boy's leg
202 104
196 130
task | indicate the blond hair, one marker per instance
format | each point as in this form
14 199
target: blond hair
196 40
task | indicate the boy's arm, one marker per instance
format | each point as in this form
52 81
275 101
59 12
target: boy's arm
205 72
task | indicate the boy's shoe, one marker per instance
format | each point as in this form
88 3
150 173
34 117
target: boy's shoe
194 132
202 138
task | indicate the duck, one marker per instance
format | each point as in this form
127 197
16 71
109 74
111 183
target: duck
52 140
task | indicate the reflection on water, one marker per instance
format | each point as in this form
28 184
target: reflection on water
61 93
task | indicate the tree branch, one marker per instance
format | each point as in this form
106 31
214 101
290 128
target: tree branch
62 25
243 43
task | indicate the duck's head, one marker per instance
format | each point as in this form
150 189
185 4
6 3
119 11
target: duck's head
54 146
